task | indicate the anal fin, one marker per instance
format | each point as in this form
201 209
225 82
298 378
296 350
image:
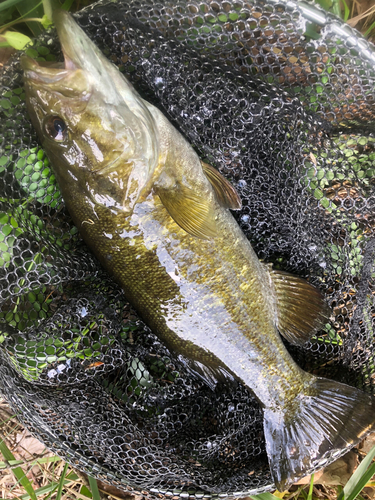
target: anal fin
301 308
211 375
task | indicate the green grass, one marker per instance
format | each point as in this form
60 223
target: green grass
18 472
354 13
58 478
359 480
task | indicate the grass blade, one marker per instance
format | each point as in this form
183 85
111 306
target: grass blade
50 488
13 463
17 471
346 11
309 495
368 31
360 477
356 490
61 482
94 488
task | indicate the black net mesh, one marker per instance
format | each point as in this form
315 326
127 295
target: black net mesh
280 98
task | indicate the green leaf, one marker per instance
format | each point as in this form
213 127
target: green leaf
94 488
8 3
326 4
85 491
30 7
49 488
45 460
16 40
6 16
360 478
312 31
46 22
17 471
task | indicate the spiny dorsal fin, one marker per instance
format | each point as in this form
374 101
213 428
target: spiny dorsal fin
190 211
226 194
301 309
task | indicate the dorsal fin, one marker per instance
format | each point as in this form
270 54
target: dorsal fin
301 309
189 210
226 194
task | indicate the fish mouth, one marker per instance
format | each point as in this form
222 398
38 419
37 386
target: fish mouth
80 53
73 45
56 78
72 42
83 70
52 72
43 73
67 78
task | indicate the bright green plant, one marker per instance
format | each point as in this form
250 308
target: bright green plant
22 19
54 487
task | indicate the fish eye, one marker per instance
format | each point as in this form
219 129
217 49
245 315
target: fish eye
56 128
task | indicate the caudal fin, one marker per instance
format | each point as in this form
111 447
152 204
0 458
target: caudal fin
319 426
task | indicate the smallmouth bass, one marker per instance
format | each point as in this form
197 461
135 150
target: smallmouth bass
158 220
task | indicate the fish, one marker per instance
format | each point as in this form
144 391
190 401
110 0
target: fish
159 221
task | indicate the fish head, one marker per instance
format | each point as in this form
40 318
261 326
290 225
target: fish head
93 125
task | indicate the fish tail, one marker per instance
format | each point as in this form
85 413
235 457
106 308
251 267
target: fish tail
322 423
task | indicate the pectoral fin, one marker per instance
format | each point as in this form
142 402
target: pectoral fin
301 309
190 211
225 192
